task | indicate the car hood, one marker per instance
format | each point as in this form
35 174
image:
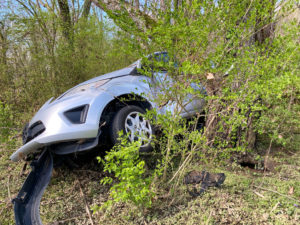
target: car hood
118 73
129 70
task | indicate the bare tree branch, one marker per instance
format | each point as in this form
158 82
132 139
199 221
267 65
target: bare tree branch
128 12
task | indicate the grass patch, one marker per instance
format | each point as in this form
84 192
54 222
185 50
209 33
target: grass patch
247 197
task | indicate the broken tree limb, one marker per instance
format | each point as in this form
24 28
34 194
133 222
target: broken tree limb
87 208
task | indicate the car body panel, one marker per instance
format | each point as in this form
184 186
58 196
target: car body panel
27 202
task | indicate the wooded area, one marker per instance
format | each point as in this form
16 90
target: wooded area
245 53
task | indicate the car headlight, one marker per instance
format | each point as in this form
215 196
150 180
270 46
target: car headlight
85 87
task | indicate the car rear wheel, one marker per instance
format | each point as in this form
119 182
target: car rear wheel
131 121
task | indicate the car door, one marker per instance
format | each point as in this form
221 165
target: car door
164 89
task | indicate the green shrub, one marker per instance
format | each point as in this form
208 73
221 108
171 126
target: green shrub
132 184
251 78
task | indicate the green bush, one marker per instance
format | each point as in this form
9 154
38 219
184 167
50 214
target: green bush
250 71
131 185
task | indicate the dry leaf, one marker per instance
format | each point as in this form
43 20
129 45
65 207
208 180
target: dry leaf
265 216
210 76
291 191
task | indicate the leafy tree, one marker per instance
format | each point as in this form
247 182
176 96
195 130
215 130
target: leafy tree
235 50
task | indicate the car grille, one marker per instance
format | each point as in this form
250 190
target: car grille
33 131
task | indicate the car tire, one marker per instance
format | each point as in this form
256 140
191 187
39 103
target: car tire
128 119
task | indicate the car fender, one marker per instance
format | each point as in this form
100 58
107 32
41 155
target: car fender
115 91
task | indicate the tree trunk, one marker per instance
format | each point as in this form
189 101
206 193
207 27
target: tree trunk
213 88
66 20
122 12
3 45
264 28
86 8
162 5
137 4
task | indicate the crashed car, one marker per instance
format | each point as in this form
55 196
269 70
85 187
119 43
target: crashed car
72 122
87 115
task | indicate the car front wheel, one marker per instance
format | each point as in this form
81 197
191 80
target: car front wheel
131 121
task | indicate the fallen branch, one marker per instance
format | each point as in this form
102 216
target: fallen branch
276 205
8 189
87 209
258 194
276 192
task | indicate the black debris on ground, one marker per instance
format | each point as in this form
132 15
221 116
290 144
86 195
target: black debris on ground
205 178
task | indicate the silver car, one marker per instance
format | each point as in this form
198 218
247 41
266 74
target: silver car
78 119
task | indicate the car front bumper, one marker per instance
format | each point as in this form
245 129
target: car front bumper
58 128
